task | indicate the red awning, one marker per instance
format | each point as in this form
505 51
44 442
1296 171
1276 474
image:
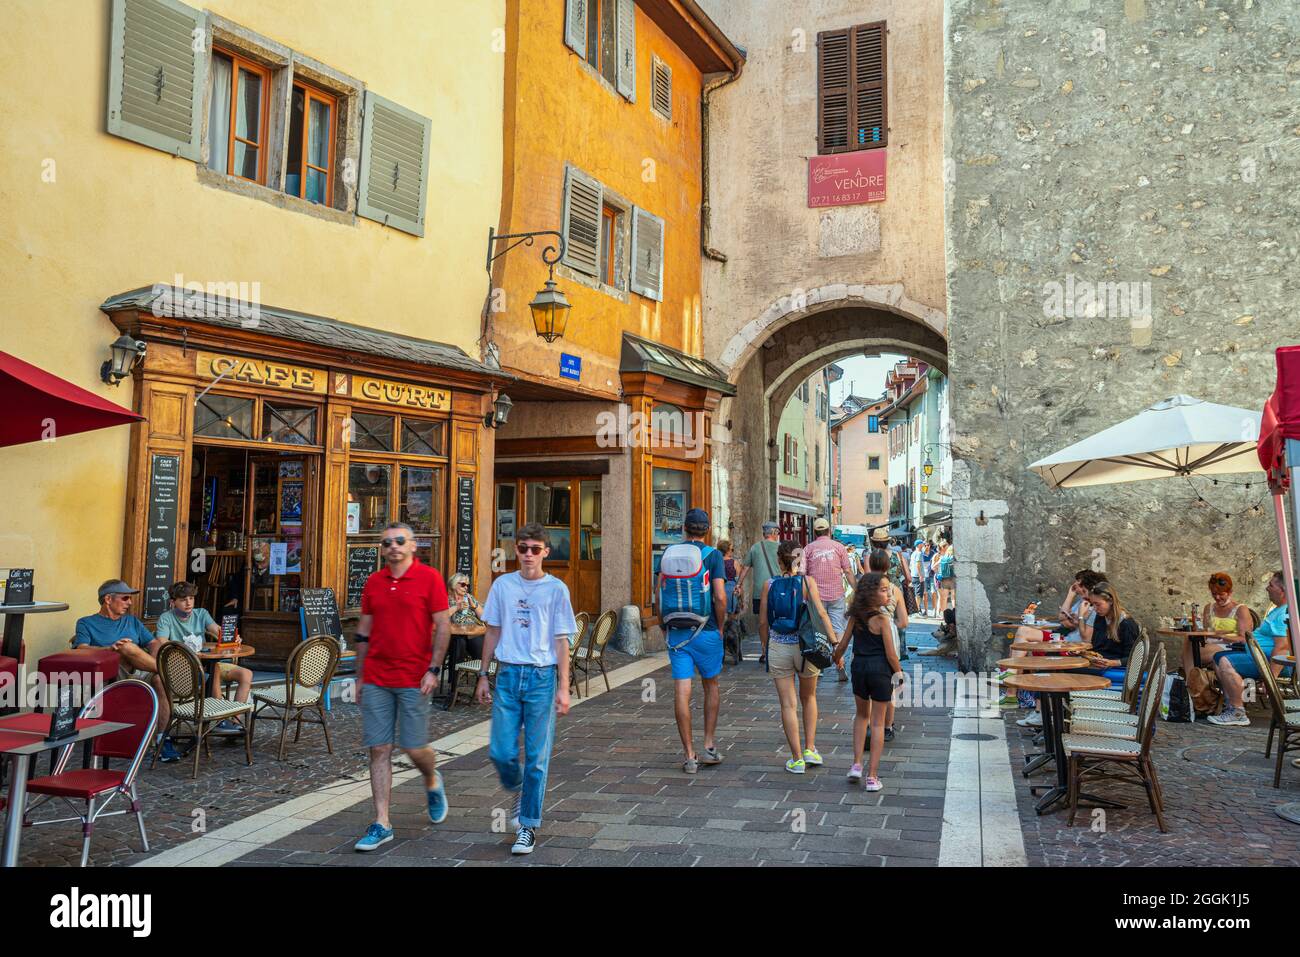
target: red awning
1281 419
38 405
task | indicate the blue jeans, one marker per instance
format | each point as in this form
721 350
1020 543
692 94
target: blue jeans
524 697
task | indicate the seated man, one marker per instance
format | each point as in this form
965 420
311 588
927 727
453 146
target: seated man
192 626
1232 666
115 627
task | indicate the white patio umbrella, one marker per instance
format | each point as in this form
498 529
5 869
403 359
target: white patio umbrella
1180 435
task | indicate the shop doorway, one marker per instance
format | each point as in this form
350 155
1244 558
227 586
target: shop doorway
570 509
253 520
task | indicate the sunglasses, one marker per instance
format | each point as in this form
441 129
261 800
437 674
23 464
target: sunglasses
530 549
398 540
1219 583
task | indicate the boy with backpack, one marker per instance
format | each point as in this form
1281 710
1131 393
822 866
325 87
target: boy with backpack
692 607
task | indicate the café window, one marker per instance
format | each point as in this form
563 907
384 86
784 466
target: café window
393 487
288 424
224 417
671 500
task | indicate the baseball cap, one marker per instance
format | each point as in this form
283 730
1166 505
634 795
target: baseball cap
918 543
697 516
115 586
770 527
821 525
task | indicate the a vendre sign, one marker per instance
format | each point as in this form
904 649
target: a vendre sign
846 179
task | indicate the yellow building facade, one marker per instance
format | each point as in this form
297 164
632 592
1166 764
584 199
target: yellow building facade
603 145
326 177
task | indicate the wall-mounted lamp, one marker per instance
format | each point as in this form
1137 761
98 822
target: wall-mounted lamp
549 307
127 354
500 413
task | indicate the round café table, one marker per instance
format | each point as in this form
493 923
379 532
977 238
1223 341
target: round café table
211 652
1041 624
1054 688
1197 638
1050 647
1045 663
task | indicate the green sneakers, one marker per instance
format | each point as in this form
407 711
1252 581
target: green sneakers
812 758
795 766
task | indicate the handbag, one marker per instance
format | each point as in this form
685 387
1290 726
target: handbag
814 646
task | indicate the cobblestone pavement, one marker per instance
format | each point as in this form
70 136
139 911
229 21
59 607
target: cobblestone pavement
227 790
1219 802
617 795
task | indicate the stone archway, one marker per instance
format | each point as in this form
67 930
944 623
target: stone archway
795 336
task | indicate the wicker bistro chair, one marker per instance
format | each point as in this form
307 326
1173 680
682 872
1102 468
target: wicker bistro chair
577 649
601 632
1285 722
182 681
1101 757
307 674
468 671
1126 699
132 702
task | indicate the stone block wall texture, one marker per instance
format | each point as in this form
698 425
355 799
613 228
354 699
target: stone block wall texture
1152 142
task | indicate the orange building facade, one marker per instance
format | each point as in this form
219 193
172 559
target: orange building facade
608 442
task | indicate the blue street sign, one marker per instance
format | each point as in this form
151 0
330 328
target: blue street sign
570 366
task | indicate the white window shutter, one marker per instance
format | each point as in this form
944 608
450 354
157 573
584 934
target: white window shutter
575 26
647 255
661 88
157 69
584 200
393 183
626 26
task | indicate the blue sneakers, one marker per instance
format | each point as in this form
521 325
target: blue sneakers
168 754
376 834
437 800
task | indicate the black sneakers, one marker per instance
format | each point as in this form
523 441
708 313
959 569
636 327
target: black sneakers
525 841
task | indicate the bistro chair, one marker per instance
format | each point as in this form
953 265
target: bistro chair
182 681
131 702
1125 699
1285 722
469 671
1110 758
307 675
577 648
601 632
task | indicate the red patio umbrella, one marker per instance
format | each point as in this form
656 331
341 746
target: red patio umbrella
37 404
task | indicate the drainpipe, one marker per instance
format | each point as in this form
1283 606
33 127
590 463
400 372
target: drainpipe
705 208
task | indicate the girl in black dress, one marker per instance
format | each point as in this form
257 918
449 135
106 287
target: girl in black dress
875 662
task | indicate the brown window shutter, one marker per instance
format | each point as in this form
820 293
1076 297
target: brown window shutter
833 90
869 86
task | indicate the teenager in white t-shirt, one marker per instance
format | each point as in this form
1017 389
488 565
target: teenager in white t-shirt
529 621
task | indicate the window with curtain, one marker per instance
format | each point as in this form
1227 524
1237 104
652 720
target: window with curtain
237 117
310 170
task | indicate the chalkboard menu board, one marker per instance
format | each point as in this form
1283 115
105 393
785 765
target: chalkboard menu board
160 541
63 723
320 613
362 560
465 525
18 588
229 626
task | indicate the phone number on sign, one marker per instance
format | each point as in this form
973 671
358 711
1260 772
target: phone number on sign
1161 900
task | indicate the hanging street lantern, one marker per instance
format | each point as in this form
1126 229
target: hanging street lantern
549 307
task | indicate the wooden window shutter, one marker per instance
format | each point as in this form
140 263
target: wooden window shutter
158 66
661 88
833 90
626 26
647 255
584 200
851 92
575 26
869 125
394 177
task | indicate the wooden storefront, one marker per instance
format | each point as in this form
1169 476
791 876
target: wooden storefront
271 458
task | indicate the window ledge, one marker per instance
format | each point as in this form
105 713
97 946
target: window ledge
243 187
568 272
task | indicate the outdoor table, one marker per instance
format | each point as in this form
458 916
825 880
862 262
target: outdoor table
1055 689
460 634
1045 663
22 746
1051 647
213 653
1039 625
1197 638
13 639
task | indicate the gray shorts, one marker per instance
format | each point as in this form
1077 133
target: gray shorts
394 716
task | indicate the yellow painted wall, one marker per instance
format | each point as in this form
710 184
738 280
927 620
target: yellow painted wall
119 215
559 110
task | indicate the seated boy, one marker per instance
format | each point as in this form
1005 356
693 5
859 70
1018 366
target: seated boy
193 626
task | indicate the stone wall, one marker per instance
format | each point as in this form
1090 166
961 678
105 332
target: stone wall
1146 142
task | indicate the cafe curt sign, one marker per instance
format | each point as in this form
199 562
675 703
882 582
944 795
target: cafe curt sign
391 392
262 372
846 179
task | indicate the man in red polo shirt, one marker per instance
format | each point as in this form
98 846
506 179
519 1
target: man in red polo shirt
401 641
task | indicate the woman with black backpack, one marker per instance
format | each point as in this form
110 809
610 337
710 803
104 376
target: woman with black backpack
781 611
875 662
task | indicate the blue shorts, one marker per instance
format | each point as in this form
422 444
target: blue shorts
394 716
703 653
1241 662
